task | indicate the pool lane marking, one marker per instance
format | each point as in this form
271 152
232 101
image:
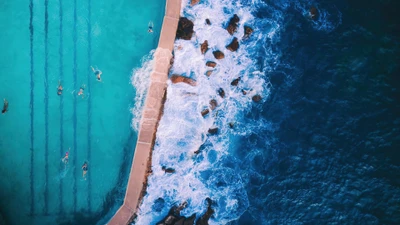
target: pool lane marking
32 202
75 151
61 77
46 107
89 109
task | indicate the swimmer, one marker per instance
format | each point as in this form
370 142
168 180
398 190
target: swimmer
84 170
5 107
97 72
81 90
59 89
65 159
150 30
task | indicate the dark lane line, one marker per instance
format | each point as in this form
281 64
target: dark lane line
32 202
89 110
61 77
75 151
46 107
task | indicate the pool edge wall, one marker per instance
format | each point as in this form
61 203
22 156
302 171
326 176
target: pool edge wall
151 115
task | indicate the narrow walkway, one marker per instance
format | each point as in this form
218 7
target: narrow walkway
151 115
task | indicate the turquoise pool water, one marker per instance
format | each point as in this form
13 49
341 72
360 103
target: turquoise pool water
43 42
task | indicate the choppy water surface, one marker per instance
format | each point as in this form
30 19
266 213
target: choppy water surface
321 146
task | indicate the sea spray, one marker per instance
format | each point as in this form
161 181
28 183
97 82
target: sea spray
140 80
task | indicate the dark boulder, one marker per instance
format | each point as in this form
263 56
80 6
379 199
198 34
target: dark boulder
234 45
205 112
231 125
203 220
185 29
178 78
194 2
221 92
233 24
313 12
211 64
235 82
256 98
247 31
213 130
168 170
213 104
208 22
204 47
218 54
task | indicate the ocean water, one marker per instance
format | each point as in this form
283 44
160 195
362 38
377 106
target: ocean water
321 147
43 42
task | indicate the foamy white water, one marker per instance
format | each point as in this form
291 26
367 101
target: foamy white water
183 130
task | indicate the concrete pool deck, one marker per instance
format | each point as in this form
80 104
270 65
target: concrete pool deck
151 115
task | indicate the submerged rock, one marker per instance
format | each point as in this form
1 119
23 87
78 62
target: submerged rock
209 72
213 104
194 2
178 78
234 45
211 64
221 92
185 29
247 31
313 12
204 47
174 215
233 24
208 22
218 54
231 124
256 98
235 82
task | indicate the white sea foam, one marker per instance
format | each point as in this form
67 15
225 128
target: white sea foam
140 80
182 129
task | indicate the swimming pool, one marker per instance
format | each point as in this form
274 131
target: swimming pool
47 42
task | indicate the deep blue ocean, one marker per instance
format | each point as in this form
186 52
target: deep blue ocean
323 145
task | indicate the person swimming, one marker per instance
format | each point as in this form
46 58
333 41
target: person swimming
82 88
97 72
66 157
59 89
84 169
5 106
150 30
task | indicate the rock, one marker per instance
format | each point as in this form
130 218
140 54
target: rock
218 54
244 92
233 24
235 82
213 130
168 170
234 45
313 13
211 64
170 220
194 2
221 93
177 79
247 31
209 72
190 220
204 47
185 29
208 22
205 112
256 98
231 124
213 104
203 220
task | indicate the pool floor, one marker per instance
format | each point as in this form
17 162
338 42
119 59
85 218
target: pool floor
45 43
